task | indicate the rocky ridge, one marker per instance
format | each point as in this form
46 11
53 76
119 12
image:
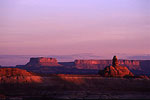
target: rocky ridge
16 75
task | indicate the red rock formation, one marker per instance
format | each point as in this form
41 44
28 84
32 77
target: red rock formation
100 64
115 61
16 75
37 62
91 64
13 72
116 70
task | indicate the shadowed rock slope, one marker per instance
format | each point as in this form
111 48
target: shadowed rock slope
78 87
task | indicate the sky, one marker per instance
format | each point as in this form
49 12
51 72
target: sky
60 27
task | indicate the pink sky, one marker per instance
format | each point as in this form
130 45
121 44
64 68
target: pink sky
102 27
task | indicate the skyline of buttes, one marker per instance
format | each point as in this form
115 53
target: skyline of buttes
13 60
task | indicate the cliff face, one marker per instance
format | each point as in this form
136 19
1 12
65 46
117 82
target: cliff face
101 64
37 62
91 64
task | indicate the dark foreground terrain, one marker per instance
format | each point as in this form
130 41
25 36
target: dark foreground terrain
62 86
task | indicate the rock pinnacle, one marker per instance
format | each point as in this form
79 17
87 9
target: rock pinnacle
115 61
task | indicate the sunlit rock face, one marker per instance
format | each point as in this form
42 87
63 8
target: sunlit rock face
91 64
41 61
16 75
13 72
116 70
101 64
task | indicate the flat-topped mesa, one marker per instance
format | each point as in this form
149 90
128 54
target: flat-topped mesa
124 62
101 64
92 62
42 61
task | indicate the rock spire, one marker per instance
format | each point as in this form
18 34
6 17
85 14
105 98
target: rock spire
115 61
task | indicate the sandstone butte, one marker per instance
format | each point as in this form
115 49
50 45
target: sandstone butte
115 70
16 75
42 61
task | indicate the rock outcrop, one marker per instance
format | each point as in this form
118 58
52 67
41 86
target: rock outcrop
14 72
41 61
115 70
100 64
115 61
16 75
91 64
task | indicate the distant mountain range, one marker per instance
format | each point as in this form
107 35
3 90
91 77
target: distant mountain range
13 60
145 57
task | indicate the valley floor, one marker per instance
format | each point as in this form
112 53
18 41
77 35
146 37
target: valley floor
77 87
